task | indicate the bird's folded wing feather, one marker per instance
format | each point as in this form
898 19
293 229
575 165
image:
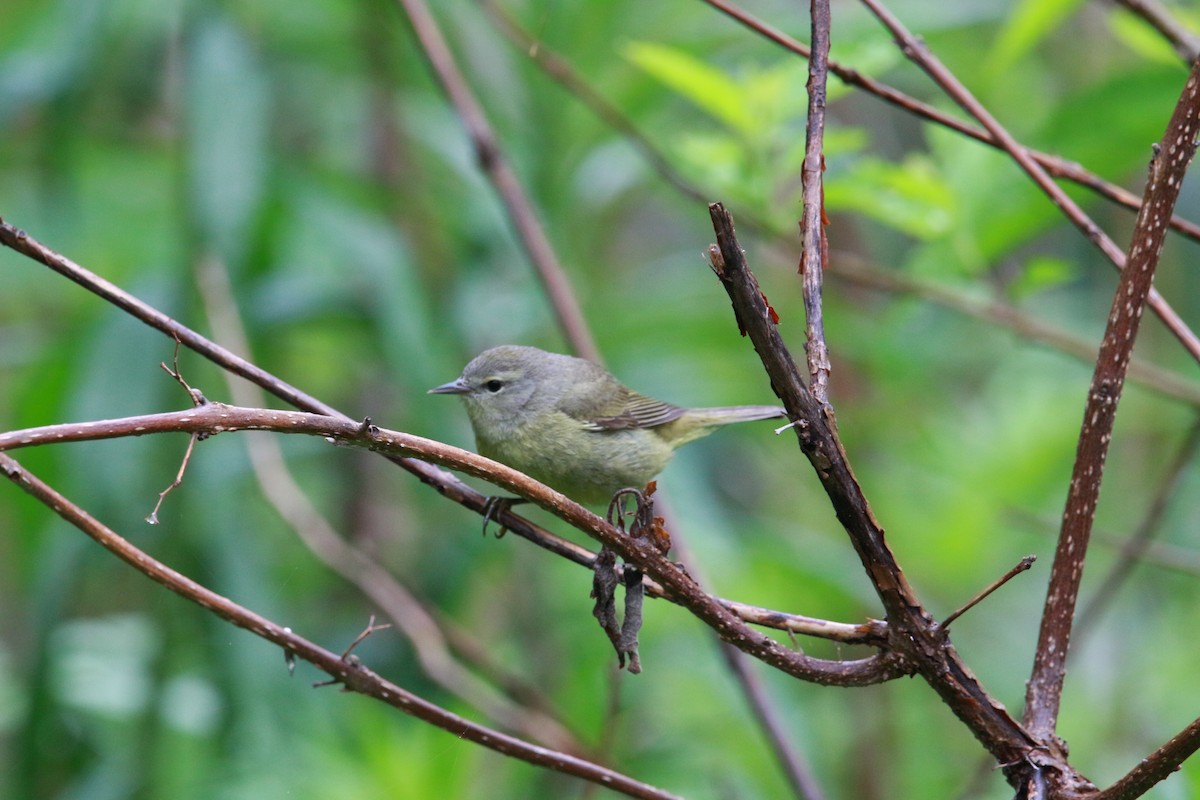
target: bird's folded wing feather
637 411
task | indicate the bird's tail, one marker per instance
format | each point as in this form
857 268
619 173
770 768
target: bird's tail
698 422
727 415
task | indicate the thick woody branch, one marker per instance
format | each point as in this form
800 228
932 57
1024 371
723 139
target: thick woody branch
911 629
1167 169
812 223
345 671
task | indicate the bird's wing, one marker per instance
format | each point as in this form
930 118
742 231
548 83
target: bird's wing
636 411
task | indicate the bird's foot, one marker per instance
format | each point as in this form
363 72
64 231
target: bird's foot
496 506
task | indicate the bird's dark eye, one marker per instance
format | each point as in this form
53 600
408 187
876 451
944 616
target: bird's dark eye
494 385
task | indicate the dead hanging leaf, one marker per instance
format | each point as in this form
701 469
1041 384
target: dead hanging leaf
604 590
771 315
643 526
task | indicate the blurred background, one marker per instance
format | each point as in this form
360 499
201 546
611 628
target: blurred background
292 168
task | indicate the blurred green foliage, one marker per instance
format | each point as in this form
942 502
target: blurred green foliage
304 147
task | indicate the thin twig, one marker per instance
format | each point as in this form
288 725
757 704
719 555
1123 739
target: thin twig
368 631
1024 564
352 675
152 517
1056 166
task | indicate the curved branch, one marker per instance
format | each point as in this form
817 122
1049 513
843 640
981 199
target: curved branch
497 169
214 418
346 671
911 630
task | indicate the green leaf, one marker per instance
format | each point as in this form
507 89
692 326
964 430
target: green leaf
226 118
1136 34
708 88
1031 22
910 196
1042 273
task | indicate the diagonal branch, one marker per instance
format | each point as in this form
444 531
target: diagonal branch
348 672
1186 43
430 637
445 483
919 53
1167 169
1155 767
1054 165
911 629
497 169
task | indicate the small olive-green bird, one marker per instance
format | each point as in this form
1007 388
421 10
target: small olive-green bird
571 425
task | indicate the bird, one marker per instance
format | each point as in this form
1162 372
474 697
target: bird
570 424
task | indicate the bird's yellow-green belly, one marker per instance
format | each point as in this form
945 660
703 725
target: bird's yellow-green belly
588 468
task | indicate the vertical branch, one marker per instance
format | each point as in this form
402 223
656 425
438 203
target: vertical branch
1167 169
497 169
812 225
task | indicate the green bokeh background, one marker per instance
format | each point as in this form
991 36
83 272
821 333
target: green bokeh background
304 147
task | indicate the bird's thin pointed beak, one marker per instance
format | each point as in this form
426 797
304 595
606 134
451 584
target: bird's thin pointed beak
456 386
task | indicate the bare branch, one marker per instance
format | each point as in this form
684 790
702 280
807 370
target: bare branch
916 50
1054 165
1167 169
1155 767
348 672
152 517
812 223
497 169
850 268
911 630
429 635
215 418
1021 566
445 483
